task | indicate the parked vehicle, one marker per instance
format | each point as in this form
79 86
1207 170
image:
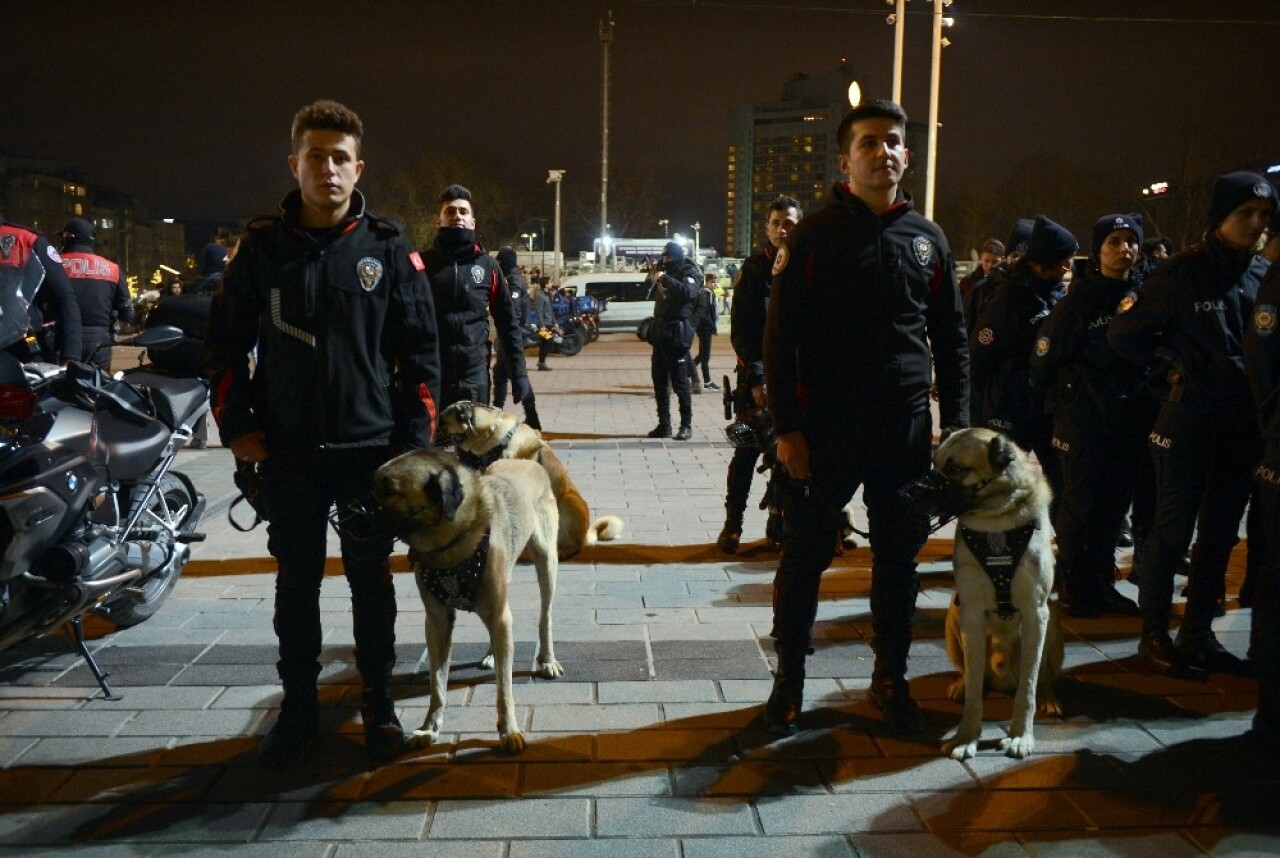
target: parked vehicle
624 298
94 518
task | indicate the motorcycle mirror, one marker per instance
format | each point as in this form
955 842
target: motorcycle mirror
157 337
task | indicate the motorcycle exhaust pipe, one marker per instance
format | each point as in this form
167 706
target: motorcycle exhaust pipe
71 560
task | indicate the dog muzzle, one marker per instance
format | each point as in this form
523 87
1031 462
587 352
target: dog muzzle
938 499
364 518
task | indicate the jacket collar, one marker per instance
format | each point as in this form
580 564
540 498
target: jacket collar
291 210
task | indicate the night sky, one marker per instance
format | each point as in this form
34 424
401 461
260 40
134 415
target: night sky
188 105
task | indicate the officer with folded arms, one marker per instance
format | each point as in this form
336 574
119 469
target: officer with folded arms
676 282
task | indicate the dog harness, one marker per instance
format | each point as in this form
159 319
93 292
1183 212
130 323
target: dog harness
999 554
480 462
456 586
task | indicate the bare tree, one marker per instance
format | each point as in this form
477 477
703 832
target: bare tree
410 193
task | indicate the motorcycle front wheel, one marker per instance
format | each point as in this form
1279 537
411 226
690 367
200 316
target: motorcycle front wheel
570 343
173 505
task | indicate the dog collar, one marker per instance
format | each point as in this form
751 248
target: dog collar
998 553
456 586
481 462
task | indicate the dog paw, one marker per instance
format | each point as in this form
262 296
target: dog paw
956 690
487 662
511 743
550 669
1049 706
958 750
420 739
1018 747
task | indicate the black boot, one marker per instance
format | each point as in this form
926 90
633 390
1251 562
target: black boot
384 738
684 433
730 536
1158 652
662 430
892 696
1205 652
298 724
782 711
531 417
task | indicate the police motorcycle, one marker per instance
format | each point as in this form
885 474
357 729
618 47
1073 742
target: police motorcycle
93 518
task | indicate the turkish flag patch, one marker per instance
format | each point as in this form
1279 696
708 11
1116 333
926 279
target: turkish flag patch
417 261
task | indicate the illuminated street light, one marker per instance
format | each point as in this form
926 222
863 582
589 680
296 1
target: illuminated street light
664 223
554 177
696 226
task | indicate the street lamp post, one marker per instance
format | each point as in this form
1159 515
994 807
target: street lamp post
696 226
554 177
931 155
898 20
664 223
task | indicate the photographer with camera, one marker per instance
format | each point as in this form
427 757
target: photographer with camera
676 282
746 332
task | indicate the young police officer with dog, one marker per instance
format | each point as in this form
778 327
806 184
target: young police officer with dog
864 300
335 302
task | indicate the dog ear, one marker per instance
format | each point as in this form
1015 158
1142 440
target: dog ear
1000 453
445 490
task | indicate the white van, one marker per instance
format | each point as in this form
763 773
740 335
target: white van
626 291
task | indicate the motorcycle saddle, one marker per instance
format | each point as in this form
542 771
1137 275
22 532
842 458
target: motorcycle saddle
175 399
132 448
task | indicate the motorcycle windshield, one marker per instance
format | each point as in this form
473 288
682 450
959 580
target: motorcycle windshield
18 285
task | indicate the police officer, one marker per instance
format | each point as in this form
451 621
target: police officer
335 303
1004 336
1098 430
705 321
864 307
676 281
100 291
53 317
467 288
519 290
213 261
746 332
1193 311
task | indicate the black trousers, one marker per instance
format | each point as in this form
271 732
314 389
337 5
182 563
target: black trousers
669 369
742 466
880 456
502 381
1264 643
1203 465
298 488
703 360
470 383
95 347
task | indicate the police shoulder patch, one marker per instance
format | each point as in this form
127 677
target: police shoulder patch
53 254
1127 302
415 259
986 336
922 248
1264 319
780 260
1262 190
1042 346
477 273
369 271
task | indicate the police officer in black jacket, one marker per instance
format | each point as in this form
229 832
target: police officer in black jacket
746 332
53 316
676 282
1193 311
467 287
335 303
1005 334
1100 418
864 307
519 290
100 292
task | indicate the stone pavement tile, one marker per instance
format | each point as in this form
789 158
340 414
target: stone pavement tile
154 697
183 823
618 716
657 691
1079 770
1137 843
238 784
75 722
535 692
592 634
93 751
1175 731
946 845
1235 843
646 616
413 781
704 746
594 780
31 784
730 631
604 650
767 847
239 654
439 849
751 667
50 824
528 818
714 716
106 850
672 817
1113 736
603 671
735 614
998 810
757 690
839 668
732 650
836 814
111 656
610 848
225 619
245 850
546 747
466 719
121 675
11 749
897 775
343 820
1110 809
186 722
235 751
227 674
811 744
156 785
749 779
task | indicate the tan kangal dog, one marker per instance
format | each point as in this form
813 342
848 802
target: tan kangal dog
1002 629
485 433
465 530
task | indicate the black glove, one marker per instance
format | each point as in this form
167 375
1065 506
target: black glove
520 389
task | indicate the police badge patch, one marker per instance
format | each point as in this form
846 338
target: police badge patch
369 270
6 245
780 261
922 248
477 274
1264 319
1126 302
1262 190
53 254
986 336
1042 347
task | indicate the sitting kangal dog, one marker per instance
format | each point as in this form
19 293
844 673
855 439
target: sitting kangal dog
485 434
1004 574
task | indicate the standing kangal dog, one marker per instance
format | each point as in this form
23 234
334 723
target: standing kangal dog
1004 575
485 434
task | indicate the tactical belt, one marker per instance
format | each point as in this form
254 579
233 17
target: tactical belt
456 586
999 554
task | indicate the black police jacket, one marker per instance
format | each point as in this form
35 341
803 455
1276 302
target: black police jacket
1262 364
863 307
344 329
466 287
748 313
519 290
98 285
677 289
1084 377
1001 346
1194 309
54 314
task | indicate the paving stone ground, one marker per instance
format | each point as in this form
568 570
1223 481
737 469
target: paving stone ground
651 744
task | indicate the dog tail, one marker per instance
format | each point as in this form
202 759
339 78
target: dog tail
605 528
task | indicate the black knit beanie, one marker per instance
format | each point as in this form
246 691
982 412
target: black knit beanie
1108 224
1050 242
1233 190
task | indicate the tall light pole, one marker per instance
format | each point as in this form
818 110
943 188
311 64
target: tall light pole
931 153
542 230
664 223
696 226
898 19
606 38
553 178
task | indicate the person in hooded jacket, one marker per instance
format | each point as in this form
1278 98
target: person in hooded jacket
1004 336
864 308
100 291
1100 422
53 314
467 287
519 290
676 282
213 261
1192 313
